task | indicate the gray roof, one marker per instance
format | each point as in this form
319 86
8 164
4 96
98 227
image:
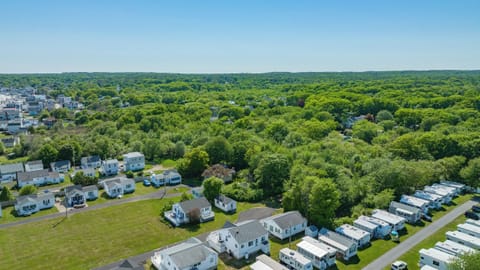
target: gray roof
271 262
11 168
112 182
288 219
90 159
199 203
190 256
337 237
61 163
34 162
108 161
90 188
25 176
224 199
404 207
34 197
247 231
70 190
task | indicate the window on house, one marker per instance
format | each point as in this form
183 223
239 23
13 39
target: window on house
242 246
250 243
436 263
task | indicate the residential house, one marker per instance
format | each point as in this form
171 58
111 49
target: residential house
435 201
15 126
10 142
240 240
219 171
410 213
464 239
8 172
225 203
91 162
168 177
61 166
109 167
345 247
134 161
197 192
285 225
90 172
118 186
421 204
188 255
49 122
90 192
294 260
397 222
181 212
30 204
361 237
263 262
469 229
383 228
74 196
321 255
38 178
453 248
435 258
36 165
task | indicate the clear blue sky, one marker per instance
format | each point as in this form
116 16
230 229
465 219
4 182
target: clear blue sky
202 36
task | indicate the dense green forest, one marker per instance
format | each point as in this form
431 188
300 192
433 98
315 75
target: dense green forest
289 136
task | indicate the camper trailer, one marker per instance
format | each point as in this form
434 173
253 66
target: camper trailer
435 258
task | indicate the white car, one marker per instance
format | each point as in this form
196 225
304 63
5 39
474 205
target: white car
399 265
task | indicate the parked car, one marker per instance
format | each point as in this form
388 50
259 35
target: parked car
476 208
399 265
472 215
427 218
146 183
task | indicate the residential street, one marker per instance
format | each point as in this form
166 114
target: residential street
396 252
154 195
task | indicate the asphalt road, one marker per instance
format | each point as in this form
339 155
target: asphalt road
154 195
396 252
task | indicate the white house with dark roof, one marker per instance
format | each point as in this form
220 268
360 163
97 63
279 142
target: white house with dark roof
168 177
188 255
109 167
30 204
118 186
285 225
181 211
226 204
294 259
61 166
90 172
321 255
240 240
35 165
91 162
345 247
90 192
38 178
74 196
263 262
134 161
8 172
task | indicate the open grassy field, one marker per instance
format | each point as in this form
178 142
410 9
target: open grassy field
95 238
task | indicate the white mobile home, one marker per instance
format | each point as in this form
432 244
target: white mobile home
317 252
435 258
294 259
363 224
263 262
451 190
383 228
464 239
469 229
459 186
361 237
397 222
421 204
226 204
473 222
435 201
285 225
345 247
410 213
446 196
453 248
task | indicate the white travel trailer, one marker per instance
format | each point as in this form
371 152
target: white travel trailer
446 196
366 226
435 258
460 187
453 248
473 222
469 229
361 237
383 228
464 239
452 190
294 260
345 247
263 262
322 256
435 201
397 222
421 204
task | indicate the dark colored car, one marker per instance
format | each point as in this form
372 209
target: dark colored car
427 218
472 215
476 208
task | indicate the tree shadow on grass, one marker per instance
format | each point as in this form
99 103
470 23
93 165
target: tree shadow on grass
192 227
353 260
59 222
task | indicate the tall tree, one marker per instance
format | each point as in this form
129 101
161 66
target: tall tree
323 202
219 150
212 188
465 261
27 190
272 171
193 163
47 154
5 195
471 173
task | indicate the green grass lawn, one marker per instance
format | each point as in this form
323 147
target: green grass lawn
412 256
140 189
95 238
169 163
9 217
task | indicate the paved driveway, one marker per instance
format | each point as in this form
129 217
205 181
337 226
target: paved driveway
396 252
